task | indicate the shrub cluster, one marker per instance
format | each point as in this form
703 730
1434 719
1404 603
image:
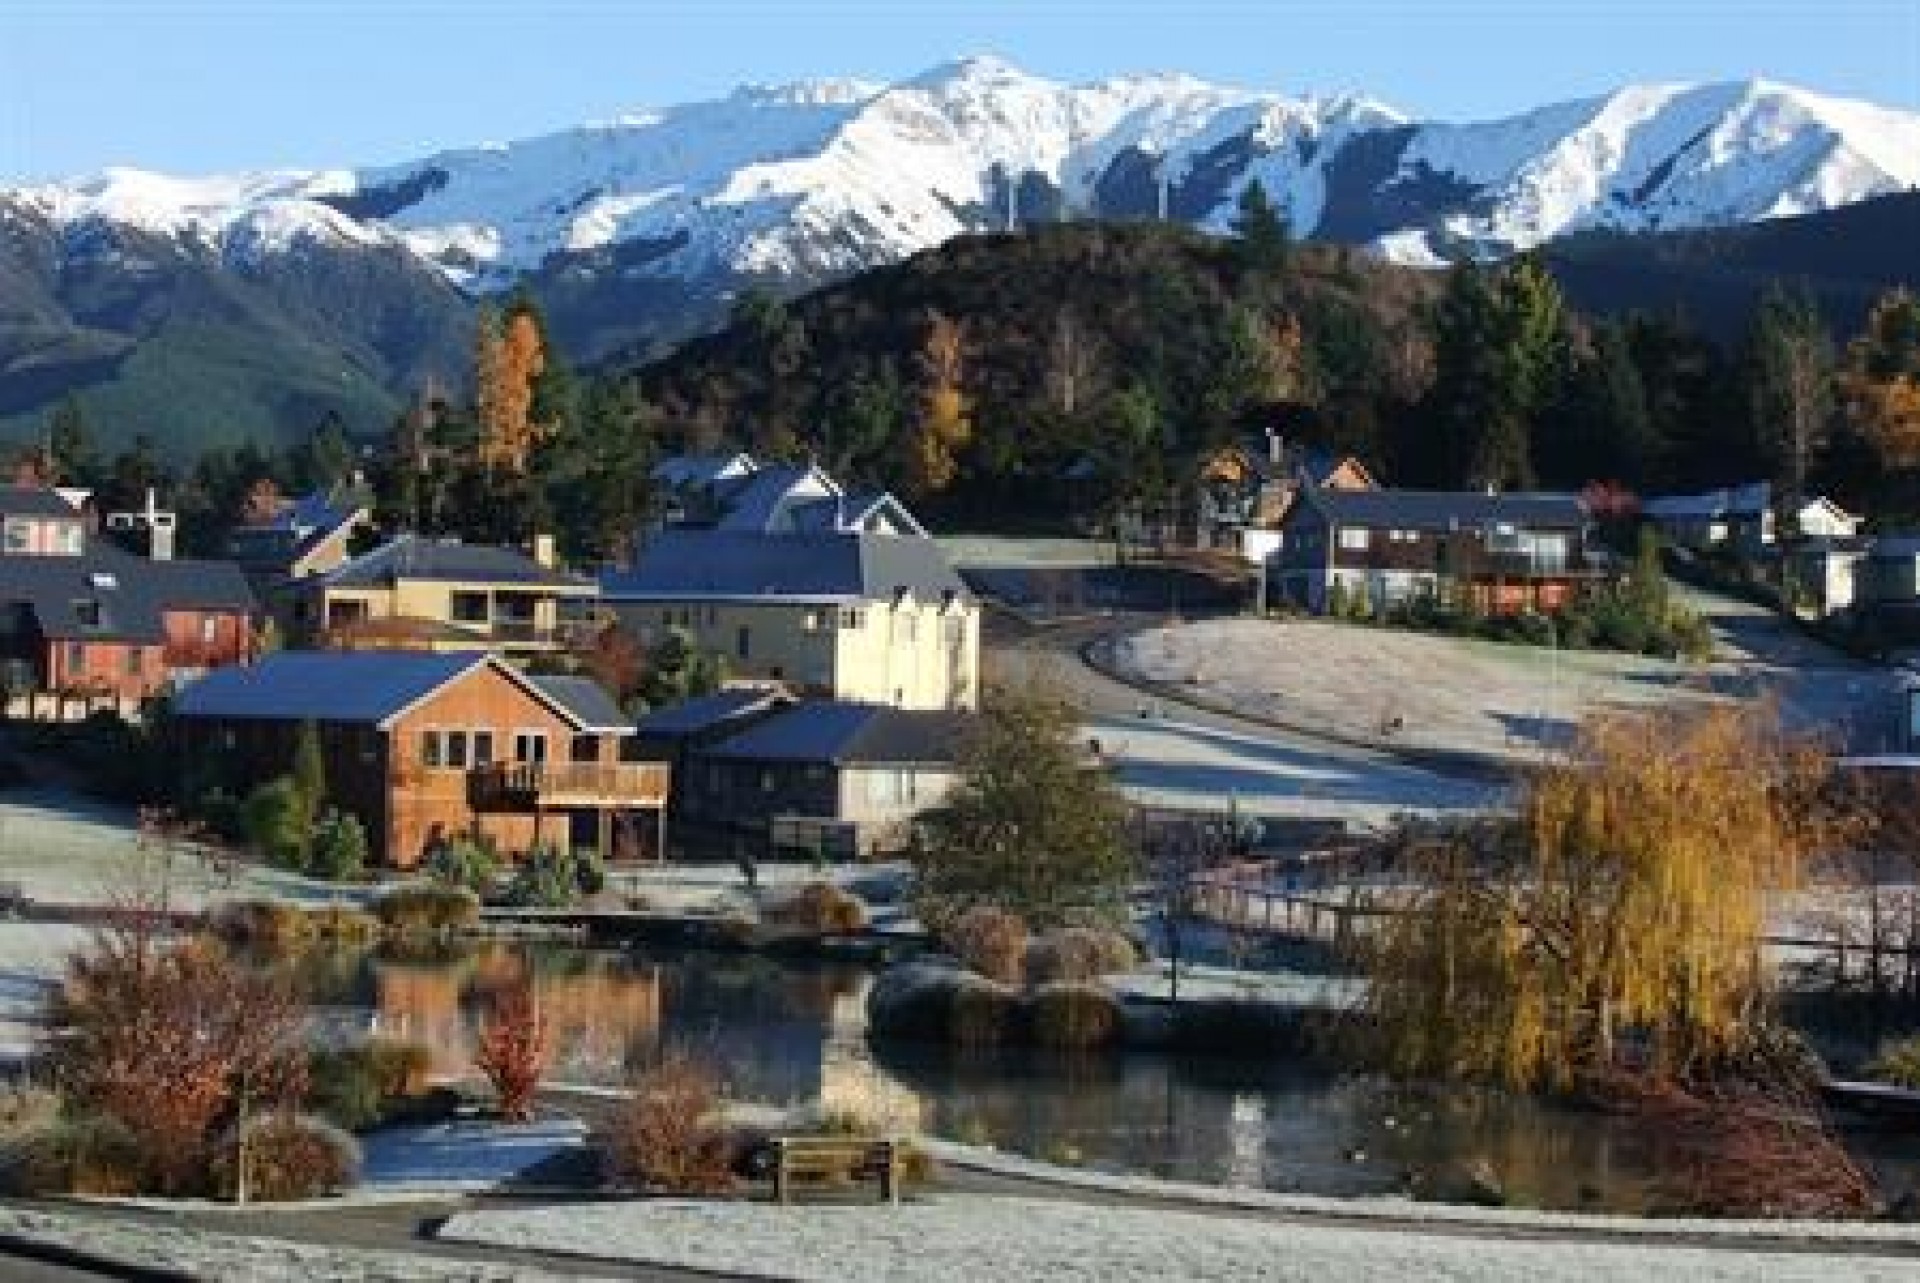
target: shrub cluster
821 908
288 1156
1075 954
362 1084
665 1137
553 877
425 907
471 863
990 941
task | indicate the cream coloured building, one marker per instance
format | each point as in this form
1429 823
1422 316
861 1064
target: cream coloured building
795 580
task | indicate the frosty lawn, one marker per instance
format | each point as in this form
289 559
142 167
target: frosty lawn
1018 1238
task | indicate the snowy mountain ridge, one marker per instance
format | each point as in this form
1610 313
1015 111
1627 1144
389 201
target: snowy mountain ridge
812 180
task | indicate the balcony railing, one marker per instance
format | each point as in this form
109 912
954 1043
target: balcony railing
517 786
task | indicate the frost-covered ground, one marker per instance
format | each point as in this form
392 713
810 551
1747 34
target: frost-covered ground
981 1237
1409 690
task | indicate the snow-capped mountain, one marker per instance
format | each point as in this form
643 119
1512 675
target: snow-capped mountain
821 178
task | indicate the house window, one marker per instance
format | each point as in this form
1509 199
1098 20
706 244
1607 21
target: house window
87 613
470 607
530 746
810 621
482 748
430 749
743 642
76 657
19 536
67 538
585 748
455 754
209 628
1354 538
136 660
853 618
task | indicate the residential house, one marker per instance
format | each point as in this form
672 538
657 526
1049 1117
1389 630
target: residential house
688 487
1250 486
1827 572
792 579
413 593
306 536
80 616
829 778
424 746
1743 519
1503 553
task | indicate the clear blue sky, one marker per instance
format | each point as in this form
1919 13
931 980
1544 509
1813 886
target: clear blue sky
199 85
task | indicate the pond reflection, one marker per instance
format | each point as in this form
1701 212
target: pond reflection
791 1032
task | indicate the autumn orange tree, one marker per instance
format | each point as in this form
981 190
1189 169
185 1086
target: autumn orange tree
513 1049
1623 912
945 424
1880 381
172 1039
509 358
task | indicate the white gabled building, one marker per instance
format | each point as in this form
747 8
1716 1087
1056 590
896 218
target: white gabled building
792 578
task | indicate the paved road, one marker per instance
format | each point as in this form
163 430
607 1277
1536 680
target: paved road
1186 757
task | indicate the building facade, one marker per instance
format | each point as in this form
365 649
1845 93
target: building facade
82 618
423 747
1496 553
790 579
426 594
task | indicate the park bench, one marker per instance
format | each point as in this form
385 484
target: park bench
836 1158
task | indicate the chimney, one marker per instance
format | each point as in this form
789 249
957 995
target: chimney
159 530
543 552
1276 447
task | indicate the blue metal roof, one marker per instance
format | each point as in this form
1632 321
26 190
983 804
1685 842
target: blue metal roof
324 685
691 716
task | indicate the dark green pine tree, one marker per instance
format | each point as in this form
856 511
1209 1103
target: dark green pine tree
1499 353
1265 240
70 447
1601 429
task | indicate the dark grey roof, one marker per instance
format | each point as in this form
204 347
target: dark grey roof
585 701
34 501
411 557
110 594
1445 509
849 734
324 685
812 566
700 469
703 712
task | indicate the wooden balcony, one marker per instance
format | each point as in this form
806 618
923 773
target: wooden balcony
541 786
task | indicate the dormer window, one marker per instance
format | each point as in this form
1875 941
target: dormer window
87 613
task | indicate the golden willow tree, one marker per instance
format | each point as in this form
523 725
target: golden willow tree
509 358
1618 923
945 425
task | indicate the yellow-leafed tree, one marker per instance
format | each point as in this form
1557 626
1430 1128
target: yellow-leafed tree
508 358
1619 920
945 425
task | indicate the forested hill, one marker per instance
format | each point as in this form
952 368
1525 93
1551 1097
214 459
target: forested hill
1128 345
1845 257
978 375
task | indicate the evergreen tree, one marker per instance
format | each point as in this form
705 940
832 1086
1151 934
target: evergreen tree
1264 238
309 770
1499 351
1602 429
1028 828
326 459
70 445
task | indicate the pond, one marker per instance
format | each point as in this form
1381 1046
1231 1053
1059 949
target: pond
790 1032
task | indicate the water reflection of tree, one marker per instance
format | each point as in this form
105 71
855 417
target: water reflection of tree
599 1008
